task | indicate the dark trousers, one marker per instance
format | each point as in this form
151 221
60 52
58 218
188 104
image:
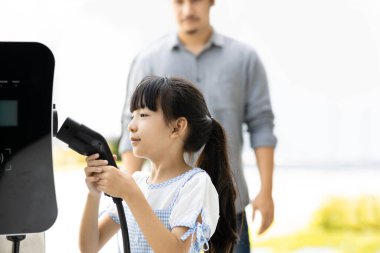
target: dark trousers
242 229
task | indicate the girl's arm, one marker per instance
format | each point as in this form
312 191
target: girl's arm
93 234
122 185
157 235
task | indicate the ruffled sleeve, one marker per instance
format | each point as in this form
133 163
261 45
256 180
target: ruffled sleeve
198 197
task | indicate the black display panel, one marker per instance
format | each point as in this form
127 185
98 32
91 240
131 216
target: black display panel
8 113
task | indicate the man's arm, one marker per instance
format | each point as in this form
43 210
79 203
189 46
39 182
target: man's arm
259 118
131 163
264 200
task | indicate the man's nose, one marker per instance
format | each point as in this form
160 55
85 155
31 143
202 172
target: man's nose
187 8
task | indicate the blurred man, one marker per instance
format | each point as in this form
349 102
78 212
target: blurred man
233 81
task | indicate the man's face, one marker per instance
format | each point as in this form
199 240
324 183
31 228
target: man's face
192 15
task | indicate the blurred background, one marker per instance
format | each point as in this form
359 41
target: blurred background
323 63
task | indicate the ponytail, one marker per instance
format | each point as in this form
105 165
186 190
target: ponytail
214 160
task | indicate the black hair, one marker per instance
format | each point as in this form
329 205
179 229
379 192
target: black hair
178 97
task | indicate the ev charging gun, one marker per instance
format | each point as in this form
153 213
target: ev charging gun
87 142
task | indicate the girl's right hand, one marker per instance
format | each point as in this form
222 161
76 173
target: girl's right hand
92 171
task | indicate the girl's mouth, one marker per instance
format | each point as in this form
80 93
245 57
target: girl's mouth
135 140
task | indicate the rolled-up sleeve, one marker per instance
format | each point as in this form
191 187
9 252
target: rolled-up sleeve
258 111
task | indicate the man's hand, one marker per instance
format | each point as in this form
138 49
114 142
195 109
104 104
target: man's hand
264 204
264 201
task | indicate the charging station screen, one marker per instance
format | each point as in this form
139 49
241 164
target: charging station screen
8 113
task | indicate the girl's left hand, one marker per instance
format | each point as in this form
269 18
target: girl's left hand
113 181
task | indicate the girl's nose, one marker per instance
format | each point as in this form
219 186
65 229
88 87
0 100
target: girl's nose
131 126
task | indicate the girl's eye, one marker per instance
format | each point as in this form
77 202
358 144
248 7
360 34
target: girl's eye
141 115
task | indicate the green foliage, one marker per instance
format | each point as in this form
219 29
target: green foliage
358 214
339 241
114 146
347 225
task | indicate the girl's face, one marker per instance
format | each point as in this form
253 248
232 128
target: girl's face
149 133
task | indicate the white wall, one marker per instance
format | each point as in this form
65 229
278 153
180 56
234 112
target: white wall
322 59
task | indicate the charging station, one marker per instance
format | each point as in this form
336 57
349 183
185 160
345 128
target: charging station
27 192
28 122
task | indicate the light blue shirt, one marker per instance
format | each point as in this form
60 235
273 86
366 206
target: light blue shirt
234 84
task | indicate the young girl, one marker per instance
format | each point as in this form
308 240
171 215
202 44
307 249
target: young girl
174 208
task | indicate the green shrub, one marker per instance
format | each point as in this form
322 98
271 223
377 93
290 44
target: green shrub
345 225
114 146
357 214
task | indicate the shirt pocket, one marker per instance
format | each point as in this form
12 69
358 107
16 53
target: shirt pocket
224 93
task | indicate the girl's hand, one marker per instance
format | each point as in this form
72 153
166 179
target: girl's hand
114 182
92 171
103 178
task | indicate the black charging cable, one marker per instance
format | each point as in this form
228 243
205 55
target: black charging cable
123 221
16 239
123 224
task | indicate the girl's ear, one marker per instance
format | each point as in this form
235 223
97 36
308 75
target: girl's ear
179 127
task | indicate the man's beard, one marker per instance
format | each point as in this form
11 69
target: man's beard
192 32
192 18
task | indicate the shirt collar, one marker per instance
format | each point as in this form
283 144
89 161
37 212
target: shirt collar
215 40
